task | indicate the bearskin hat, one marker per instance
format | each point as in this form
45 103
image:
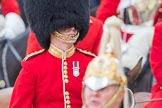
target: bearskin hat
47 16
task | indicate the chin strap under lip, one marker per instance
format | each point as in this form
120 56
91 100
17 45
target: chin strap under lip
65 37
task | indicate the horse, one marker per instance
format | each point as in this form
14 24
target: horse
138 80
138 83
12 51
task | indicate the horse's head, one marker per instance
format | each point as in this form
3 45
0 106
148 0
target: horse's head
133 74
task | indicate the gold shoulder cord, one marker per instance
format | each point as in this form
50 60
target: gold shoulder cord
86 52
33 54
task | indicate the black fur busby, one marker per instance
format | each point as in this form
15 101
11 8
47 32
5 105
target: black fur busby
47 16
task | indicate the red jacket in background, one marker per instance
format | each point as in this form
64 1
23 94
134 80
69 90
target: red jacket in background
90 42
156 65
10 6
107 8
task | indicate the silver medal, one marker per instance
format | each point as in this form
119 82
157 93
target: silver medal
76 68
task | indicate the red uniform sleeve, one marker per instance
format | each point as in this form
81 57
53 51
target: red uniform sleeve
10 6
156 54
106 9
24 89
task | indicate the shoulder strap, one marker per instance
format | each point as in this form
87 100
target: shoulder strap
86 52
33 54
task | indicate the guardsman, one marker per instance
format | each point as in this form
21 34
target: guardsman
104 81
52 77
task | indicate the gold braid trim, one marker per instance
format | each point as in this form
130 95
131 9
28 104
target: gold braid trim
33 54
115 97
118 94
86 52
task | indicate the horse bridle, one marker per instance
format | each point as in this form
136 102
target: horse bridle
8 45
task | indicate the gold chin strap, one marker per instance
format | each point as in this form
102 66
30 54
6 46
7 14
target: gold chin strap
65 37
118 93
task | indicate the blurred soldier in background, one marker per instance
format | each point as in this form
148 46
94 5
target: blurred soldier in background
13 24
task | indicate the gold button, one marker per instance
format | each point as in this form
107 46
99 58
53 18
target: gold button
65 68
66 93
65 63
67 97
68 106
68 102
65 72
161 88
2 84
66 80
65 76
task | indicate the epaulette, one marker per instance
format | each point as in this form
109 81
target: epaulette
86 52
33 54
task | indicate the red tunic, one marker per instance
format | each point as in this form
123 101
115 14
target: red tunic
107 8
156 65
90 42
41 82
10 6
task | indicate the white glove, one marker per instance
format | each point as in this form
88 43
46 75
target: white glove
124 47
140 44
1 22
7 33
13 26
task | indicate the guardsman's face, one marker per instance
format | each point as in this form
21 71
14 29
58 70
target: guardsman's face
71 32
68 31
97 99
